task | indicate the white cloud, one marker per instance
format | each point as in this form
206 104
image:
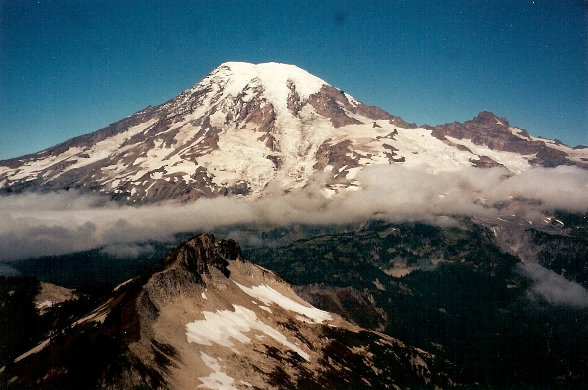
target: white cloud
127 251
553 287
58 223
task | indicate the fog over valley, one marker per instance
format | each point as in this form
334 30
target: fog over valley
64 222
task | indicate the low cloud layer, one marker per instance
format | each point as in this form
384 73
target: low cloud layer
59 223
554 288
127 250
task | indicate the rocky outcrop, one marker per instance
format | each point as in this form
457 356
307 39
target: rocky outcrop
338 155
333 105
206 318
189 265
486 162
495 133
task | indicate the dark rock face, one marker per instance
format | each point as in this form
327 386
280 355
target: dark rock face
193 256
391 154
494 132
398 121
353 304
277 160
257 112
484 125
330 103
486 162
294 103
188 266
337 155
333 104
202 252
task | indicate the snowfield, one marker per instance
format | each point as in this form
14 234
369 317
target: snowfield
268 295
224 326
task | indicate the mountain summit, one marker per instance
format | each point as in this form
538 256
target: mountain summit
244 126
206 318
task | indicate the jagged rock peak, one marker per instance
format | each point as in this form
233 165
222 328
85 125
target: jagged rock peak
490 119
485 124
189 267
199 253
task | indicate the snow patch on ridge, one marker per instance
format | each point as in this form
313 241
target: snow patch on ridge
34 350
268 295
223 325
514 162
217 379
577 155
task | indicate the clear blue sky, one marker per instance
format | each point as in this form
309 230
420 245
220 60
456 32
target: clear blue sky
71 67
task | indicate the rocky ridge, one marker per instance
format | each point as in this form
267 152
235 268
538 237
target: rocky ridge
205 317
497 134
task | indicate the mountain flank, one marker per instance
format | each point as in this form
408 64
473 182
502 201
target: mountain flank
205 317
285 125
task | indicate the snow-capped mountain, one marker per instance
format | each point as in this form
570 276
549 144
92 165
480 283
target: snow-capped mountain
206 318
245 126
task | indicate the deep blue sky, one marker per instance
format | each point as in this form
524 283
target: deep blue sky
71 67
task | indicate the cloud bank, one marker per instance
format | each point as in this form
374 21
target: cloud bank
554 288
58 223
